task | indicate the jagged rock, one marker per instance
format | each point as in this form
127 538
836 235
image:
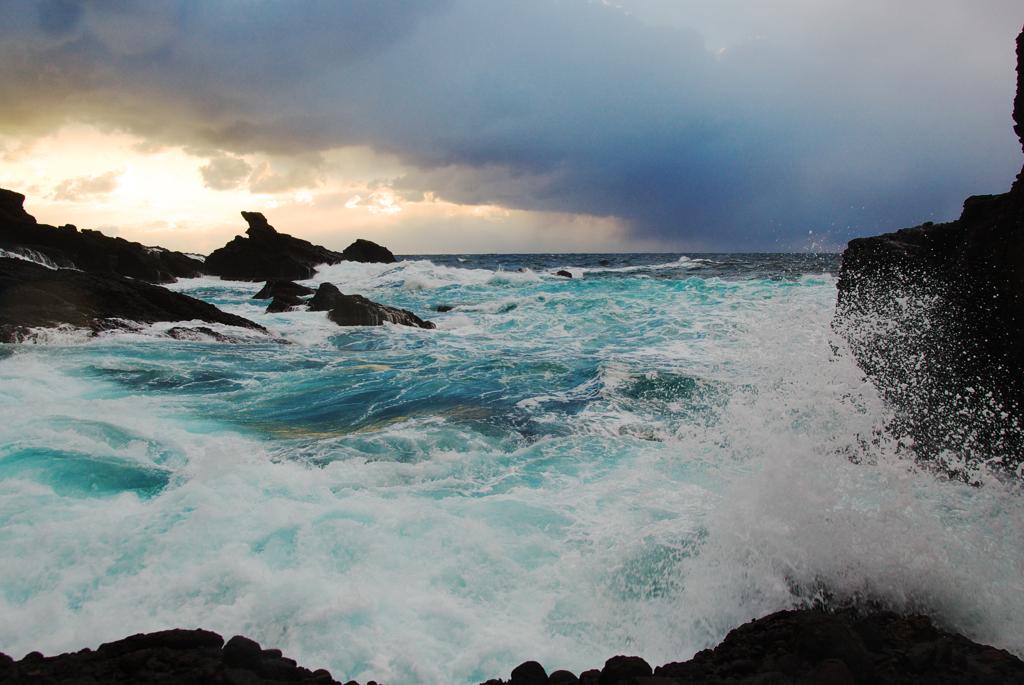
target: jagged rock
935 317
366 251
275 288
88 250
284 303
34 296
356 310
268 255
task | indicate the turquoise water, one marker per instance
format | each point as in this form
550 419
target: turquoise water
635 460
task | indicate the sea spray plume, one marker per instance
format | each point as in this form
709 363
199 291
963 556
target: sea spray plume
933 315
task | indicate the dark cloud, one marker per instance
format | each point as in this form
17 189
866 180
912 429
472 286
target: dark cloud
869 117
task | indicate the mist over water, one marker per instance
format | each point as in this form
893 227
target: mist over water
632 461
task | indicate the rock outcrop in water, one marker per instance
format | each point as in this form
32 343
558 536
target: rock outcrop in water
356 310
87 250
368 252
935 317
268 255
35 296
786 648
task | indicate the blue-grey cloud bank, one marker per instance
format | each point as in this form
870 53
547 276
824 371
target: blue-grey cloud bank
808 121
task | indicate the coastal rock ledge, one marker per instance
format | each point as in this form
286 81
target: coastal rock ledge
805 647
934 316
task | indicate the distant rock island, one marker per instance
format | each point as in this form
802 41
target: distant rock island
52 277
934 315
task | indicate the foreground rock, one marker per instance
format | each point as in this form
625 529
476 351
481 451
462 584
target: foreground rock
786 648
34 296
87 250
935 317
268 255
195 657
356 310
811 648
368 252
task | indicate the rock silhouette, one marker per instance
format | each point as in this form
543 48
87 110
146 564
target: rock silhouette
268 255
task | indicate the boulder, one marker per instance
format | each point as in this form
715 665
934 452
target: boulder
276 287
563 273
87 250
34 296
268 255
284 303
356 310
934 316
367 252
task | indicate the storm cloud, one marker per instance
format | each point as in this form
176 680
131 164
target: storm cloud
841 118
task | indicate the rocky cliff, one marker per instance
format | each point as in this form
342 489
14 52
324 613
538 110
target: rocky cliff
935 317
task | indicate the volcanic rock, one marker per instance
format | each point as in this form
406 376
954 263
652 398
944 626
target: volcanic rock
87 250
811 646
174 657
268 255
274 288
934 316
367 252
356 310
563 273
34 296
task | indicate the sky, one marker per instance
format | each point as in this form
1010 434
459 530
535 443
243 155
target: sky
474 126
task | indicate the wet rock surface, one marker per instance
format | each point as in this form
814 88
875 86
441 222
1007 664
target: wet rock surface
813 648
34 296
356 310
934 315
87 250
268 255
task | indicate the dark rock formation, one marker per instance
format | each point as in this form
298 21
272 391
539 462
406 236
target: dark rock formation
33 296
88 250
935 317
268 255
174 657
356 310
563 273
284 303
811 647
366 251
444 308
274 288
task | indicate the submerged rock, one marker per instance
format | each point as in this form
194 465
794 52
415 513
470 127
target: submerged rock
268 255
368 252
34 296
935 317
87 250
356 310
277 287
284 303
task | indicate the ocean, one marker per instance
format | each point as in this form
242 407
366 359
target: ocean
632 461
